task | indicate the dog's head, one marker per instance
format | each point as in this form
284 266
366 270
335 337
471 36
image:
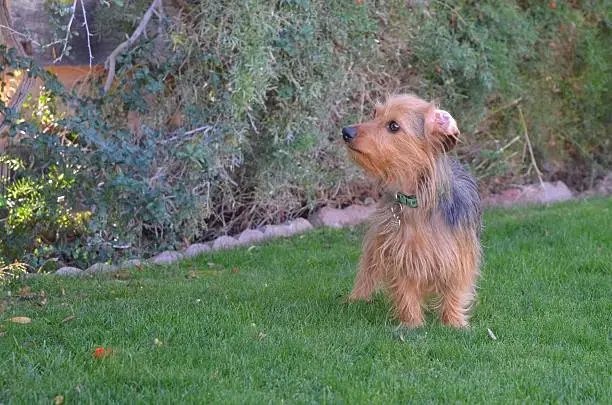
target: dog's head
403 138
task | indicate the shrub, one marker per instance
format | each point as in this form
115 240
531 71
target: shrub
239 113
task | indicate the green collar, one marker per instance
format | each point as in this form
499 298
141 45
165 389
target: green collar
407 200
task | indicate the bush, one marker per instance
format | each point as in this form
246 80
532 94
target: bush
239 117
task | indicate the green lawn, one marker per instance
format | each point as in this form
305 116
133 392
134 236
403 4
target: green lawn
270 326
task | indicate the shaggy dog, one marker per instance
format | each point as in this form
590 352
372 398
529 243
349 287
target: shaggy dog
424 239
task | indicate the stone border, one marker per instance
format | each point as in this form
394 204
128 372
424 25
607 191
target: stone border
545 193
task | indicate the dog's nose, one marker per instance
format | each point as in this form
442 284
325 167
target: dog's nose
349 133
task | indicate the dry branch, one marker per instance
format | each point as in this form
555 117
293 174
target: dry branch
533 160
86 25
111 62
73 8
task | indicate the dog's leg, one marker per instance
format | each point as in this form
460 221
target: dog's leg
365 282
455 304
369 271
408 303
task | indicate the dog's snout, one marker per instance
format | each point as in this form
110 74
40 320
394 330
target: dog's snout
349 133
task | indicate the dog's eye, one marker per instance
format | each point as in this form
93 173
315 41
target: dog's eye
393 126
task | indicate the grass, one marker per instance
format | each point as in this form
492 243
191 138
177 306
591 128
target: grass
267 325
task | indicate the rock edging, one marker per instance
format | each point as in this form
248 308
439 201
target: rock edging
544 193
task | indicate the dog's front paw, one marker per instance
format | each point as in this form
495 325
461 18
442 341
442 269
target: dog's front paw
357 296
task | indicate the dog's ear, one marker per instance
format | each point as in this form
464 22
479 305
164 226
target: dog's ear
441 128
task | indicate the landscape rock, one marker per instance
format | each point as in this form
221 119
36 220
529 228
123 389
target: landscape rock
224 242
300 225
68 271
130 263
251 236
167 257
276 231
531 194
101 268
604 187
196 249
547 192
337 218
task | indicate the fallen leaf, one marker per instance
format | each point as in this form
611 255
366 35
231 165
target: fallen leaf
21 319
261 335
191 275
59 400
101 352
69 318
235 270
157 342
402 338
122 275
491 334
25 291
63 292
215 266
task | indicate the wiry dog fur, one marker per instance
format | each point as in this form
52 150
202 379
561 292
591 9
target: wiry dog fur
436 248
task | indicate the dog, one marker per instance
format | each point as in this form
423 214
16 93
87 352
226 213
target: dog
424 238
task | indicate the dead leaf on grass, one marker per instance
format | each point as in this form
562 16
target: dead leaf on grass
235 270
261 335
69 318
21 319
25 291
215 266
191 275
101 352
491 334
122 275
63 292
58 400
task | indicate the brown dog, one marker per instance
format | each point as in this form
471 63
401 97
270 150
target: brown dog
425 236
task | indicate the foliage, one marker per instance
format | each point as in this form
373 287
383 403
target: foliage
231 120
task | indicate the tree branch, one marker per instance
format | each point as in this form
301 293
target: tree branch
112 59
204 128
20 34
59 58
87 31
533 160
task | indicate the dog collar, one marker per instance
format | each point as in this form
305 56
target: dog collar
407 200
